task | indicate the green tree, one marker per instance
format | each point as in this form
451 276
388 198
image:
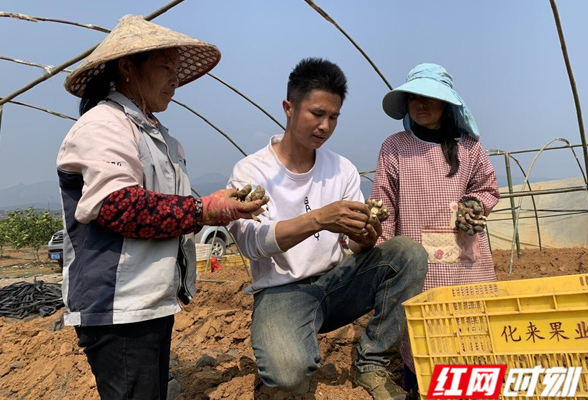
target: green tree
15 229
41 227
4 240
32 228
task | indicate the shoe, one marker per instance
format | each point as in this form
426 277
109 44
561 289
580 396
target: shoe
380 385
413 394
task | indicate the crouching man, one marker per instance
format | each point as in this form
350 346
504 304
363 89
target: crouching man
302 282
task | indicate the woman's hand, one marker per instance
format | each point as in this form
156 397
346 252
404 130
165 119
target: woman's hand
470 216
222 207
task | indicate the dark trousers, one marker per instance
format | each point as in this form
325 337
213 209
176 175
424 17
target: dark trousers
129 361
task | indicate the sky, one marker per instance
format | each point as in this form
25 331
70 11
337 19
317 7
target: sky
505 58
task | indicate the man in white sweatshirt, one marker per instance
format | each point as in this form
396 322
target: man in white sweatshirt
302 282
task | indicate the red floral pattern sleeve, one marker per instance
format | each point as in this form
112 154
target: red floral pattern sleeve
138 213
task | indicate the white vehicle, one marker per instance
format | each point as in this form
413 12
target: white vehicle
220 242
55 247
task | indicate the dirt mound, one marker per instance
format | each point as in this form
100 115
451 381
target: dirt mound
211 351
540 263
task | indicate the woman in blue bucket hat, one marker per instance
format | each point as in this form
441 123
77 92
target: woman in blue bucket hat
437 182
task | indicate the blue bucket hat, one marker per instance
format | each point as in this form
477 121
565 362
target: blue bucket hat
430 80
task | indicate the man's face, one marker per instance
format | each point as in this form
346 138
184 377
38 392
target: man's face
313 120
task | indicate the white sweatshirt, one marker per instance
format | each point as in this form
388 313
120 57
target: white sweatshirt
331 179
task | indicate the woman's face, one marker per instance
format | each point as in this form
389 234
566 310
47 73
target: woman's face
425 111
156 80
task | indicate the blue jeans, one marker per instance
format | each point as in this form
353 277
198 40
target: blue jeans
129 361
286 319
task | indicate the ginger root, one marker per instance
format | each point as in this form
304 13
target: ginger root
470 217
245 194
377 211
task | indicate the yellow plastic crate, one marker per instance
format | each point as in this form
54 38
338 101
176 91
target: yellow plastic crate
228 260
522 324
234 260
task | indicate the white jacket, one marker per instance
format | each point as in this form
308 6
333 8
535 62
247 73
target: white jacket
107 278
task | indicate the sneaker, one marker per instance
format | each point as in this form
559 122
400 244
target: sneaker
380 385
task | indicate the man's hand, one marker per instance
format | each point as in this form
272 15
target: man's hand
351 218
373 230
222 207
348 217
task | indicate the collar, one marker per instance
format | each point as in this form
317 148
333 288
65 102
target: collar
133 112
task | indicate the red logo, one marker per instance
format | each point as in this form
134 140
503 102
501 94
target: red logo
466 381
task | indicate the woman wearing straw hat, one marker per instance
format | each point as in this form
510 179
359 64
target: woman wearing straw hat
437 181
130 220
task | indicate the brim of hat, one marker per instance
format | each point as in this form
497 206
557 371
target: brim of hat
394 102
195 61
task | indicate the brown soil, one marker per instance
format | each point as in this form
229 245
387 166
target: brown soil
211 352
25 263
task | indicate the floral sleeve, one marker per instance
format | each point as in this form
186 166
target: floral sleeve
138 213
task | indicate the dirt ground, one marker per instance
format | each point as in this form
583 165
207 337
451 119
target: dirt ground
24 263
211 351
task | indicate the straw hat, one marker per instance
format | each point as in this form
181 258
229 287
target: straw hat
134 35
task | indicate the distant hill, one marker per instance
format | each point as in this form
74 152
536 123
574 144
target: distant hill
41 195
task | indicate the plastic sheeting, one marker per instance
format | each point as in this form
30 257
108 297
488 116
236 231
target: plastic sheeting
563 217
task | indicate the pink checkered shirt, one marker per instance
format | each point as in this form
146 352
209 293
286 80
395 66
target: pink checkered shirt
411 180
